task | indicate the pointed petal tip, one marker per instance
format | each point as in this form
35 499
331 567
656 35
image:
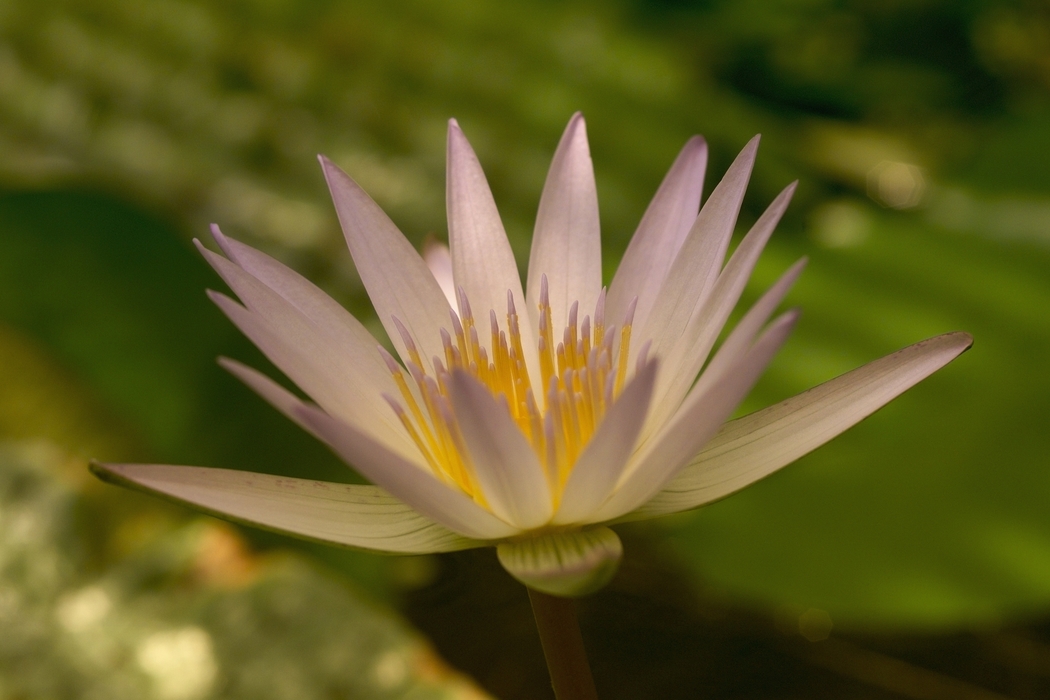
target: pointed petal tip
576 127
230 365
111 473
202 249
455 133
750 149
99 469
696 141
694 153
954 342
329 168
221 300
222 241
458 150
959 340
780 327
789 317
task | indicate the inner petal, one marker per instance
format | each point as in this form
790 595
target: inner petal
582 372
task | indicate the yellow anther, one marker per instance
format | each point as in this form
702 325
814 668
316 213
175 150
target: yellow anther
621 366
585 337
580 376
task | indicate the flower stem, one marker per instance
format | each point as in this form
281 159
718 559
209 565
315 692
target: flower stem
563 646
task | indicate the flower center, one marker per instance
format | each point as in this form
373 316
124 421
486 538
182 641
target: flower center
580 377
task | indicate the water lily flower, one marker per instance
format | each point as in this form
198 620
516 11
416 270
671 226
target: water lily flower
527 418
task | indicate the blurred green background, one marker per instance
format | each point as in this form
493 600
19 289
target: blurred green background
919 131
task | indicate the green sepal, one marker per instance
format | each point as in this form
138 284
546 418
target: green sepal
568 564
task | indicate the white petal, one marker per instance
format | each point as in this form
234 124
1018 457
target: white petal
659 235
350 515
332 367
286 402
603 460
567 564
757 445
322 310
294 306
439 259
507 468
304 364
689 353
566 244
405 480
398 281
735 346
325 374
702 413
695 269
743 335
482 261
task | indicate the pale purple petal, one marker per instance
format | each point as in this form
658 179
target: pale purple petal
348 515
507 468
700 417
752 447
736 345
601 465
743 335
322 310
482 260
684 360
294 308
439 260
416 486
695 269
344 364
398 281
566 244
321 370
660 235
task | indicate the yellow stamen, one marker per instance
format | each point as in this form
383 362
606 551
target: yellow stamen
581 376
